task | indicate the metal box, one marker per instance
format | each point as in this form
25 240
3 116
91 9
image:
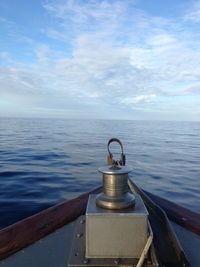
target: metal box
116 233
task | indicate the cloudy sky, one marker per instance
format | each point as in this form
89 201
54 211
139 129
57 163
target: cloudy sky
128 59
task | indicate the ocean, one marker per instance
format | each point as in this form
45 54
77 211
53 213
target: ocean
47 161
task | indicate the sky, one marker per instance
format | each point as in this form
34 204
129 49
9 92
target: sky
78 59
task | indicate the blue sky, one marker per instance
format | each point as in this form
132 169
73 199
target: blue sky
133 59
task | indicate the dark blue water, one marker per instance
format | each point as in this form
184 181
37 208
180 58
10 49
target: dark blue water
46 161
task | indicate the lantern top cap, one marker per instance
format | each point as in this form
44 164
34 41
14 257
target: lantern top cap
115 169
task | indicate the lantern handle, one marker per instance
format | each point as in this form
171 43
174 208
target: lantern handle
110 159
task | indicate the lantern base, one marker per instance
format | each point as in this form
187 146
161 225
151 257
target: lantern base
125 201
116 233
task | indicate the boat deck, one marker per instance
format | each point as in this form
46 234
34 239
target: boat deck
53 250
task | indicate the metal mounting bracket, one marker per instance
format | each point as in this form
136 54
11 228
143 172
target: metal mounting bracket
77 254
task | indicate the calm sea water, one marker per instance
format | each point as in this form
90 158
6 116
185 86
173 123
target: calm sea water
46 161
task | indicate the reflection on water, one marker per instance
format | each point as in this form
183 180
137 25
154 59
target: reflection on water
44 161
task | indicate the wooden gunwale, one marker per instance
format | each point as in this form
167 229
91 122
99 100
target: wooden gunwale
184 217
23 233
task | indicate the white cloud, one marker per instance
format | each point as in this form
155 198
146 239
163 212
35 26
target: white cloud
193 14
138 99
120 56
99 18
80 13
195 89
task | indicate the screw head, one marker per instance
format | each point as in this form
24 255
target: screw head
116 261
85 261
79 235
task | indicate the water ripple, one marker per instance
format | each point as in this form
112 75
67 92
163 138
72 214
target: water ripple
44 161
